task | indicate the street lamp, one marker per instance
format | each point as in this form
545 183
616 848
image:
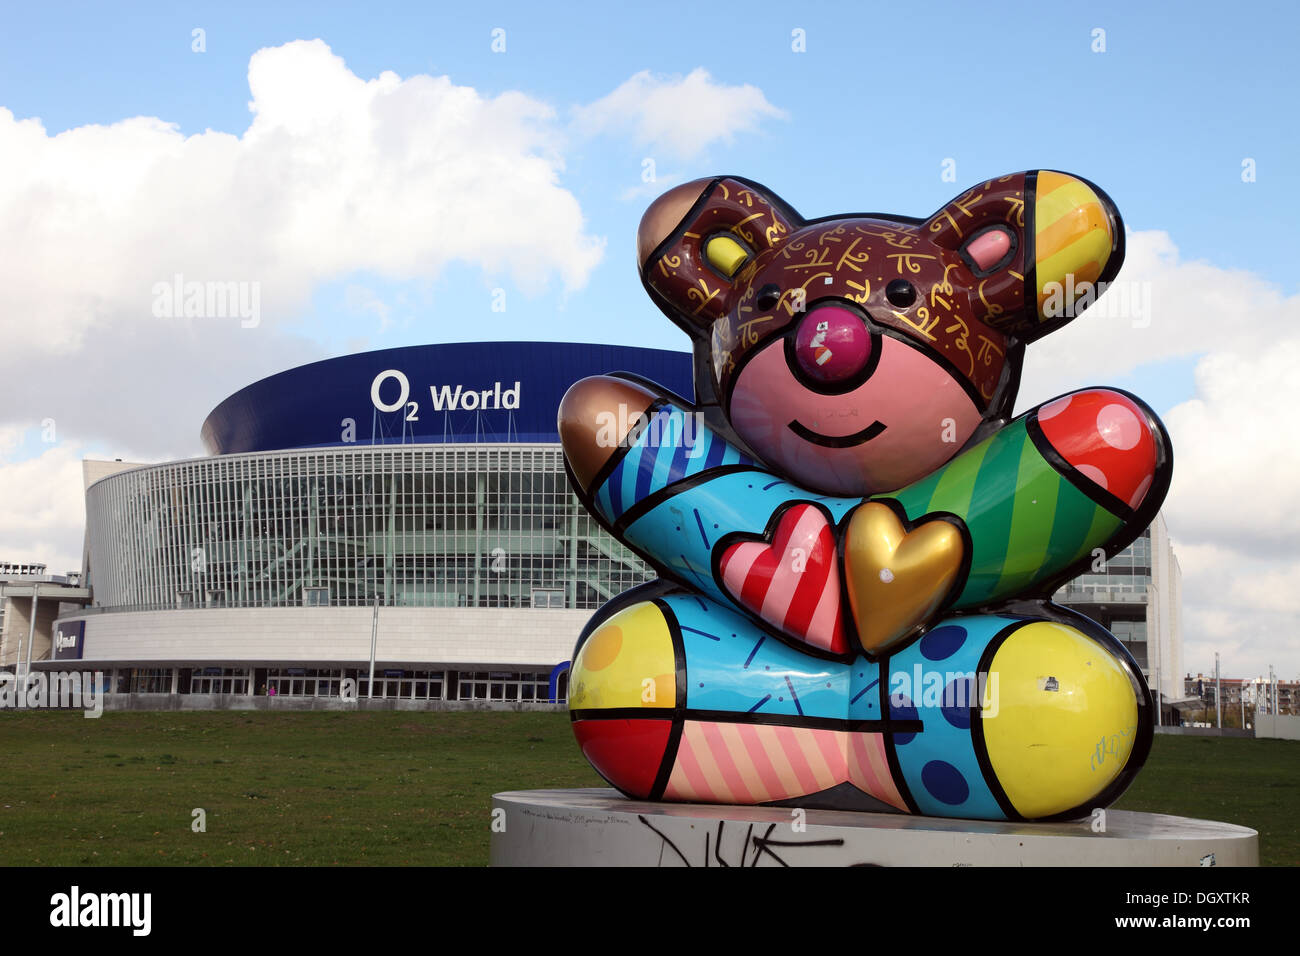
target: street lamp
1218 694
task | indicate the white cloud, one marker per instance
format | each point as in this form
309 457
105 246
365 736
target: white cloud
1242 606
1237 452
681 116
42 509
10 437
1234 506
1234 509
335 175
1195 308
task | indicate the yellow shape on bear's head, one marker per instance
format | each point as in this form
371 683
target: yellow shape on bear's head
627 662
726 254
1060 718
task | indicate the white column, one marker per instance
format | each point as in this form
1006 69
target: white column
31 628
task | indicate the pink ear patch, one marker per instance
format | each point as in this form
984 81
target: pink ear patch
988 248
791 581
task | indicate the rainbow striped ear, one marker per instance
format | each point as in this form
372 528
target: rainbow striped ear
1078 243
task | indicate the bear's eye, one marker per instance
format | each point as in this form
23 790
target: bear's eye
768 297
725 254
900 293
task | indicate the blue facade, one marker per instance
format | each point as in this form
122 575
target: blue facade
459 392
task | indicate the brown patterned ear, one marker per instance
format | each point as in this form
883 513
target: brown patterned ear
699 242
987 227
993 202
665 215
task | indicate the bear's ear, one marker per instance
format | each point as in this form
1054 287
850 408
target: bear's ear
1025 238
698 244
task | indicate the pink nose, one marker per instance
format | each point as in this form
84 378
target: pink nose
832 344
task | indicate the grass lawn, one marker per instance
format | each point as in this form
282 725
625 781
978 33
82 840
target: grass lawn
387 788
1253 783
320 788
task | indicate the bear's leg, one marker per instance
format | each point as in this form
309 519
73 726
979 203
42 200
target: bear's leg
678 698
1017 717
623 690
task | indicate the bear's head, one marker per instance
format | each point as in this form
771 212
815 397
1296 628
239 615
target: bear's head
857 353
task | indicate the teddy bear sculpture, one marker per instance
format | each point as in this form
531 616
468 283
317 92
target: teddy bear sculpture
856 543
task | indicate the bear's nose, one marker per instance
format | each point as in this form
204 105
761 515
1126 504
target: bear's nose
832 344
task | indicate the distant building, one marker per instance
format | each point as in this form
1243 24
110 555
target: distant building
1279 697
1137 596
1256 693
26 588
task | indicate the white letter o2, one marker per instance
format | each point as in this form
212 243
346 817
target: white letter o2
401 399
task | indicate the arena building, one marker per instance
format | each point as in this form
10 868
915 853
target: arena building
407 505
410 500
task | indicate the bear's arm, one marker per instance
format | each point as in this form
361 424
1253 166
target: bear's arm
703 512
686 500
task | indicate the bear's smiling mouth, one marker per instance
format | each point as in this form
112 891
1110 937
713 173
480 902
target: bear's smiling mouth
836 441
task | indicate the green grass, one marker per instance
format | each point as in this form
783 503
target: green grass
1253 783
320 788
385 788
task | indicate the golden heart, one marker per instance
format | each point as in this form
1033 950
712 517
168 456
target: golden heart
897 579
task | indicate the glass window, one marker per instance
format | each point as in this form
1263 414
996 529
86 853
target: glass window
426 526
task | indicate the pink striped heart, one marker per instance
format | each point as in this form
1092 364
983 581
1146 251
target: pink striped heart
790 579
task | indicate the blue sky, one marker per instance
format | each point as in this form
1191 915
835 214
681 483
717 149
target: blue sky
862 120
1162 119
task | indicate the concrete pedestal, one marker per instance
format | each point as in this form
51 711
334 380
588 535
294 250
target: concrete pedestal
598 827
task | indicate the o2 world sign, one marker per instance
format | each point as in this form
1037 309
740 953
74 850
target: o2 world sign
442 398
